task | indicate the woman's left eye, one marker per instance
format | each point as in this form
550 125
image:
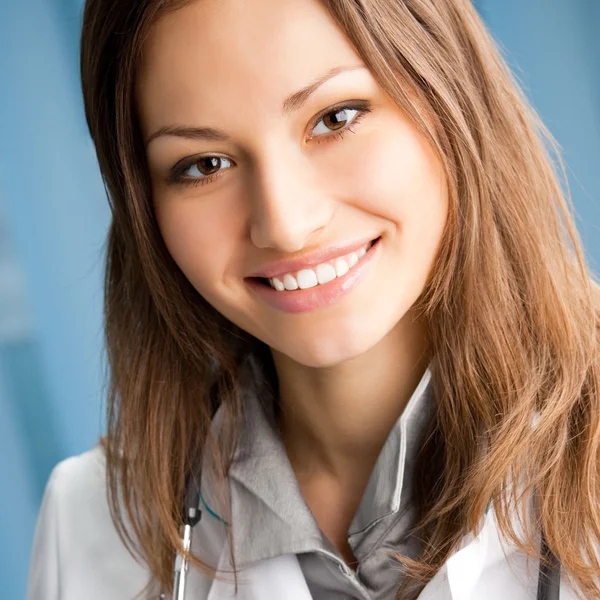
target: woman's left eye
339 120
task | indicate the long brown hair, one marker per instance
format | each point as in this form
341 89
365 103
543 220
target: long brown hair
511 304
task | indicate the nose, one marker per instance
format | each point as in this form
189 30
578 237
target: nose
288 207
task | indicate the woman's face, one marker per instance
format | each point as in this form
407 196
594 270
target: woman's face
247 172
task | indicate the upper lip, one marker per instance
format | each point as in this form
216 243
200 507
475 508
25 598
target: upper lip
310 259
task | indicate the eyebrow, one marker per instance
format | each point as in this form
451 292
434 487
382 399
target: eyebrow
290 105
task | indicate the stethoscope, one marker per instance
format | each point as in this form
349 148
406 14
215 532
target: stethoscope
191 516
548 575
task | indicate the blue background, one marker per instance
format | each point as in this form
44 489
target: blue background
54 217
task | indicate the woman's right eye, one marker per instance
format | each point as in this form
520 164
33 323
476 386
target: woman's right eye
199 171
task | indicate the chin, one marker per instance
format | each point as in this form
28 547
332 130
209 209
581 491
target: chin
327 351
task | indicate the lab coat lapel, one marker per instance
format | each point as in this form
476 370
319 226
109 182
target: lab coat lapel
466 566
458 577
268 579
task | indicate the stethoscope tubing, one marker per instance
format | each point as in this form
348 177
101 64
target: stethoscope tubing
549 574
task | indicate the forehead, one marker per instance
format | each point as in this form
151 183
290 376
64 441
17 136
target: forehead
211 53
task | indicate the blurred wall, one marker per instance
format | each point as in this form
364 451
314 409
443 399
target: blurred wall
552 46
54 216
53 222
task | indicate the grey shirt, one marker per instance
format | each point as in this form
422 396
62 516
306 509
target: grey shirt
271 517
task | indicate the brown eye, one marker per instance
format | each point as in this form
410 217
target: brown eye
335 120
208 165
202 168
338 119
196 171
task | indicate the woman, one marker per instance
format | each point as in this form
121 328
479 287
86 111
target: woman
347 312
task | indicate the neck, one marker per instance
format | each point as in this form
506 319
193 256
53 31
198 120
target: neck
335 420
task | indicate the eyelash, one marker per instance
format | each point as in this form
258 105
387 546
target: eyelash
177 178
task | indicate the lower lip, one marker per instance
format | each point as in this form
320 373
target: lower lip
297 301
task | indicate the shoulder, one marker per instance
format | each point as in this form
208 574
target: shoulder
75 500
76 548
79 478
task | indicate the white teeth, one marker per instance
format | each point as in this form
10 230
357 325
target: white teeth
341 267
325 273
307 278
289 281
278 284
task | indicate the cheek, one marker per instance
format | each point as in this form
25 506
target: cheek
402 180
197 236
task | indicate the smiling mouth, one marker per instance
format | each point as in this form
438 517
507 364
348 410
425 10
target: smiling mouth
319 274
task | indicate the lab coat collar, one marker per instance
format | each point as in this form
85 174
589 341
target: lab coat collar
460 574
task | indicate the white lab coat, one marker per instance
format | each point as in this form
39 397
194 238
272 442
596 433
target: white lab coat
77 555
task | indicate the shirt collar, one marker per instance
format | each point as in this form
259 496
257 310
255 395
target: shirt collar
269 514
